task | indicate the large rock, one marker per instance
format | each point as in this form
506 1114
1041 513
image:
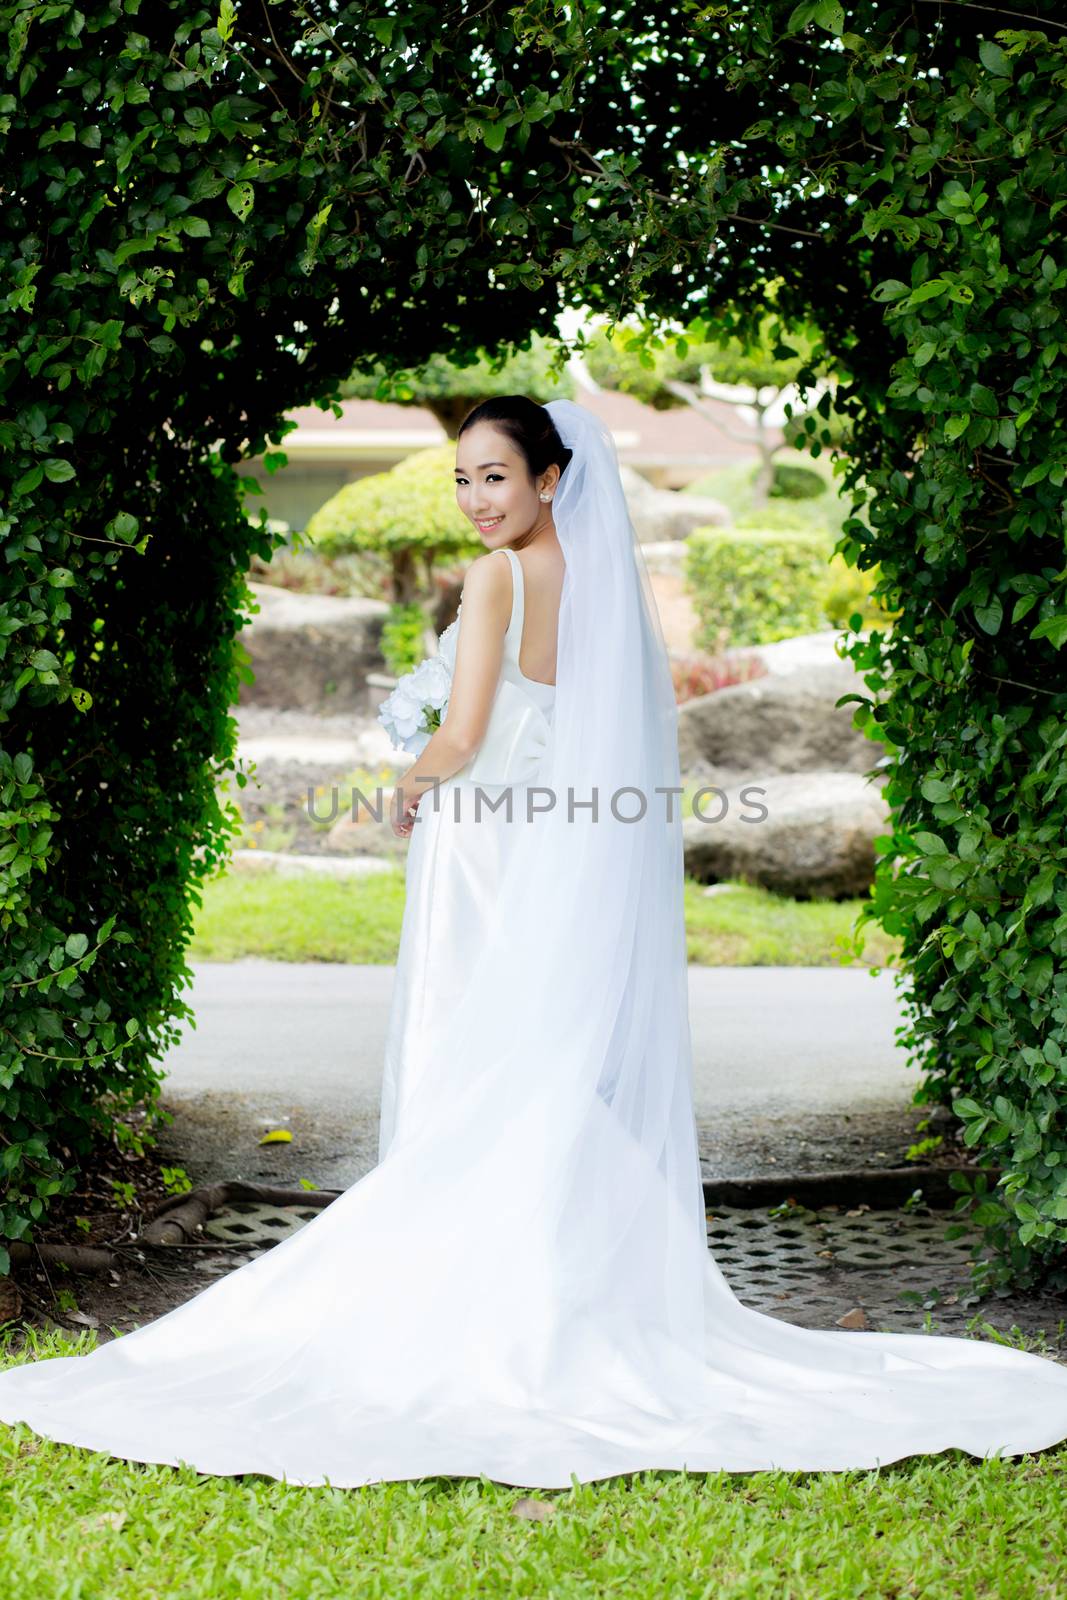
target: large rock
799 654
312 651
666 556
809 834
662 514
778 723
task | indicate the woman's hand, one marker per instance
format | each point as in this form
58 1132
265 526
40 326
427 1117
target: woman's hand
402 812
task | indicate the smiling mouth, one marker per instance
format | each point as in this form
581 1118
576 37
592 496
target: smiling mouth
487 522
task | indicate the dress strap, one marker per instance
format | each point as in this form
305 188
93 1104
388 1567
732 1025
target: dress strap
518 595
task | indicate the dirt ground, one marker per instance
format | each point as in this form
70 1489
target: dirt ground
211 1139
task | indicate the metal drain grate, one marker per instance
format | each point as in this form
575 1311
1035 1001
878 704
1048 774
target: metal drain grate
816 1265
258 1225
807 1267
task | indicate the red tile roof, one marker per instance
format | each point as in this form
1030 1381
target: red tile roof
645 437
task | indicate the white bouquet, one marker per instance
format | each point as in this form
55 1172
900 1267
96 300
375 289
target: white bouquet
416 707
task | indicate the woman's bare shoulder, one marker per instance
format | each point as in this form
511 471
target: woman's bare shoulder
487 581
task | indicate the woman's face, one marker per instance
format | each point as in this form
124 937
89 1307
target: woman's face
494 488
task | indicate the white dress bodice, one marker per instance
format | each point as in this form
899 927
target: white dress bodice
520 721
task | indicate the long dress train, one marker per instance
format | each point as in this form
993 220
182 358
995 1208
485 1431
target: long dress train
520 1288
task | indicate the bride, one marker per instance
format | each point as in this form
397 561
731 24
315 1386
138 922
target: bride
522 1287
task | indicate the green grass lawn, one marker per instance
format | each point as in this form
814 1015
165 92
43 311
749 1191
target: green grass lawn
358 920
76 1525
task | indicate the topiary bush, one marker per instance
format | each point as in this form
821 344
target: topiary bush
408 514
796 483
402 641
755 585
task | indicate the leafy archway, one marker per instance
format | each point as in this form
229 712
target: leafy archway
211 217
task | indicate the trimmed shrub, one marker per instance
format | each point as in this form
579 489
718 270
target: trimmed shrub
796 483
408 513
756 584
402 638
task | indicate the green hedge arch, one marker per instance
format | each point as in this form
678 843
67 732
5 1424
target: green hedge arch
212 215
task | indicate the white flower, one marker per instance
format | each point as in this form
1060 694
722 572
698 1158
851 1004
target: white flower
404 712
432 681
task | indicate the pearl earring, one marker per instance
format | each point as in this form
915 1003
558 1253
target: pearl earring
546 497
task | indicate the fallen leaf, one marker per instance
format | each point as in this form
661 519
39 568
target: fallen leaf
107 1519
277 1136
533 1510
856 1318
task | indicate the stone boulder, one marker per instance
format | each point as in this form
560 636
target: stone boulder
782 722
665 556
806 834
801 653
665 514
312 651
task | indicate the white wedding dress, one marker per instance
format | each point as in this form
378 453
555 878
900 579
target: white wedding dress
522 1287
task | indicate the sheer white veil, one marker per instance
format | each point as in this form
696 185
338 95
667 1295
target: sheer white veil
563 1074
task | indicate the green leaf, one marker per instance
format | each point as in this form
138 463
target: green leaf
1040 888
226 19
889 289
801 15
965 1107
957 425
1054 629
990 617
928 291
830 14
993 59
493 135
57 471
241 199
123 526
1037 974
931 844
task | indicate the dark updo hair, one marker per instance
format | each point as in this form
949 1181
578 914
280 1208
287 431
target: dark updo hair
529 427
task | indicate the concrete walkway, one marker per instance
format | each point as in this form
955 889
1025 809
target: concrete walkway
795 1068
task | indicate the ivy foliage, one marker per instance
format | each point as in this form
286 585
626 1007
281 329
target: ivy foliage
449 390
944 153
212 216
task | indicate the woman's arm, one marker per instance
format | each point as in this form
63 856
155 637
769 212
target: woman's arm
479 654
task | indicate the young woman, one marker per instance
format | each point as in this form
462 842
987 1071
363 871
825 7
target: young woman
522 1286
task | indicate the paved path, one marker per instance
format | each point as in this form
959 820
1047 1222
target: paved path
794 1067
